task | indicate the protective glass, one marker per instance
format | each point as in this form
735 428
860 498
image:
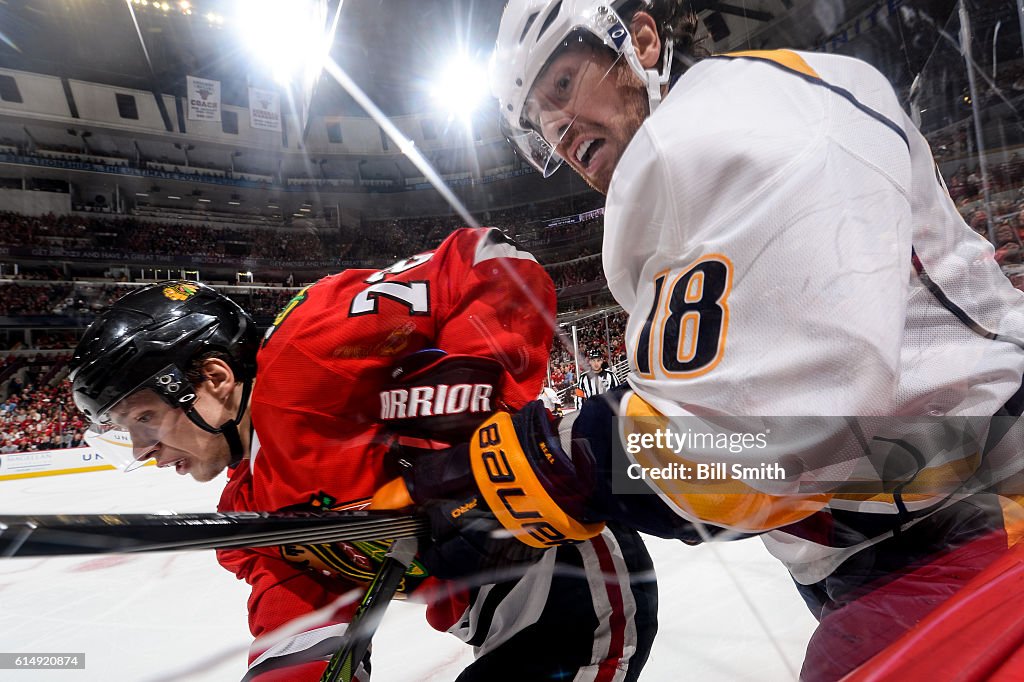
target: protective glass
128 442
534 148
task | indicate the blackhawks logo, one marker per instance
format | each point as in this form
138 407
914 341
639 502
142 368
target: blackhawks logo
296 301
354 561
179 292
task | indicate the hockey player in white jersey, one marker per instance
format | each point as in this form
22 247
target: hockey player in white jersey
778 233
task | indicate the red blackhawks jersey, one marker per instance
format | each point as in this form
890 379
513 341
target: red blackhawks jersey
316 406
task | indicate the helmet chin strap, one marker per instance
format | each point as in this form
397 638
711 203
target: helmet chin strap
656 80
228 429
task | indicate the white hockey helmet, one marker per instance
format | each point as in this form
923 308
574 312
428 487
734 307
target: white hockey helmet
531 32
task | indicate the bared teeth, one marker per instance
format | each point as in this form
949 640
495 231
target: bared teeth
581 151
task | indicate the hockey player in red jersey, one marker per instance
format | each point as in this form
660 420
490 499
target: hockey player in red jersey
360 373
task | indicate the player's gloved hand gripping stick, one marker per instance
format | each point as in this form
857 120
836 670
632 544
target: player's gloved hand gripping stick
491 501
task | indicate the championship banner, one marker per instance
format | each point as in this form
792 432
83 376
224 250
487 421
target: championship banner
264 109
203 99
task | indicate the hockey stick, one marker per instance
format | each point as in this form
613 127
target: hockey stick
22 536
345 662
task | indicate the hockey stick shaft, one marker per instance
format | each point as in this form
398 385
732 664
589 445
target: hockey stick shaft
345 662
22 536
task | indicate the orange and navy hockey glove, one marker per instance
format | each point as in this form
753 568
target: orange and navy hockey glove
537 490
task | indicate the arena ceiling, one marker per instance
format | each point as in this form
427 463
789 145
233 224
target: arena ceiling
394 49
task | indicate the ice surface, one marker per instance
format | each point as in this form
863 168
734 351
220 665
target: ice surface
728 612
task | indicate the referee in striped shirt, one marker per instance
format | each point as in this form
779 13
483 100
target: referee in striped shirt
597 380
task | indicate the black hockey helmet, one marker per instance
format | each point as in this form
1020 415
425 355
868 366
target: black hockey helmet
148 339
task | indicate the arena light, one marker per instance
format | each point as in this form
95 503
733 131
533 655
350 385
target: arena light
461 87
285 37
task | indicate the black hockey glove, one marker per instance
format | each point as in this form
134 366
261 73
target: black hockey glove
433 395
501 499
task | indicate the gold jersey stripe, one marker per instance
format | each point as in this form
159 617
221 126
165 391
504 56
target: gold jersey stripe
718 502
1013 518
790 60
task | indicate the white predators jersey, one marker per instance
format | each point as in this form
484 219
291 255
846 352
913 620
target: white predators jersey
781 239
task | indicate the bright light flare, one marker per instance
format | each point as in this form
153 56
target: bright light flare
461 87
287 37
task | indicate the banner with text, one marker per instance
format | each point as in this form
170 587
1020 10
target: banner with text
203 99
264 109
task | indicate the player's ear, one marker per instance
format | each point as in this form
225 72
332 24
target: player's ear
218 377
646 40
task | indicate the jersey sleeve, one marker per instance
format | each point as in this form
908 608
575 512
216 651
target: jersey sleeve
316 403
498 302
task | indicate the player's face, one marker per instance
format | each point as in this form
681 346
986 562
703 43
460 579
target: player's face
166 435
588 106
